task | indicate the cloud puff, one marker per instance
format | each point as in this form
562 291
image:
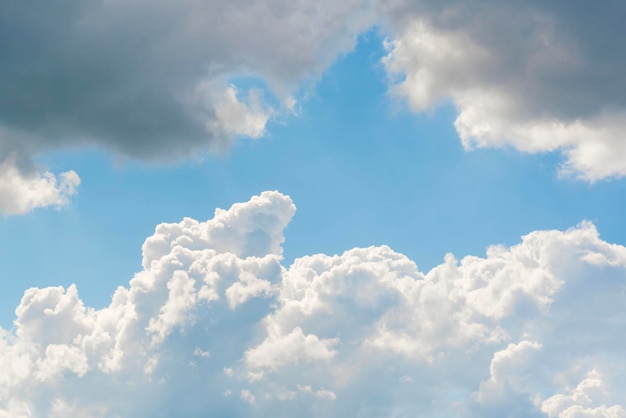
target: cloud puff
537 76
22 191
216 325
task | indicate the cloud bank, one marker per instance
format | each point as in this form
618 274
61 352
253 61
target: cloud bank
215 324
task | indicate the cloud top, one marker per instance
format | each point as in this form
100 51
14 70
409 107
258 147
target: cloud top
215 324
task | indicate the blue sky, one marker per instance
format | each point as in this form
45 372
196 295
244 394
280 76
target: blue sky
368 159
361 169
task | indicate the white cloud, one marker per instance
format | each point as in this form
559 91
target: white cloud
247 396
363 333
535 76
579 401
198 352
22 191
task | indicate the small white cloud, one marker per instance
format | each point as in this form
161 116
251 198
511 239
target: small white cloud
151 365
247 396
407 379
255 376
21 192
198 352
326 394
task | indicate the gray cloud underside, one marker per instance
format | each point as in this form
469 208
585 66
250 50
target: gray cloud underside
127 75
145 78
216 325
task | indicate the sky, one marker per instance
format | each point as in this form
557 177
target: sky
269 208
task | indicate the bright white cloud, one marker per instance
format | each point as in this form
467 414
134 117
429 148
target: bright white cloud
22 191
529 330
532 75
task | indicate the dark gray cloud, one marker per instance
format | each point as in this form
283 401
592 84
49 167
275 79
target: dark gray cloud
131 76
215 325
150 79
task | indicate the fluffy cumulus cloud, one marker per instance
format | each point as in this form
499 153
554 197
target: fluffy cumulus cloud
537 76
216 325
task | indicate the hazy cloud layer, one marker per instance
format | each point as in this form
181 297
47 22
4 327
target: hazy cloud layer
216 325
538 76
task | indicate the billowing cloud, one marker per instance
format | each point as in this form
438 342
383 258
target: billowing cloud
216 325
537 76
